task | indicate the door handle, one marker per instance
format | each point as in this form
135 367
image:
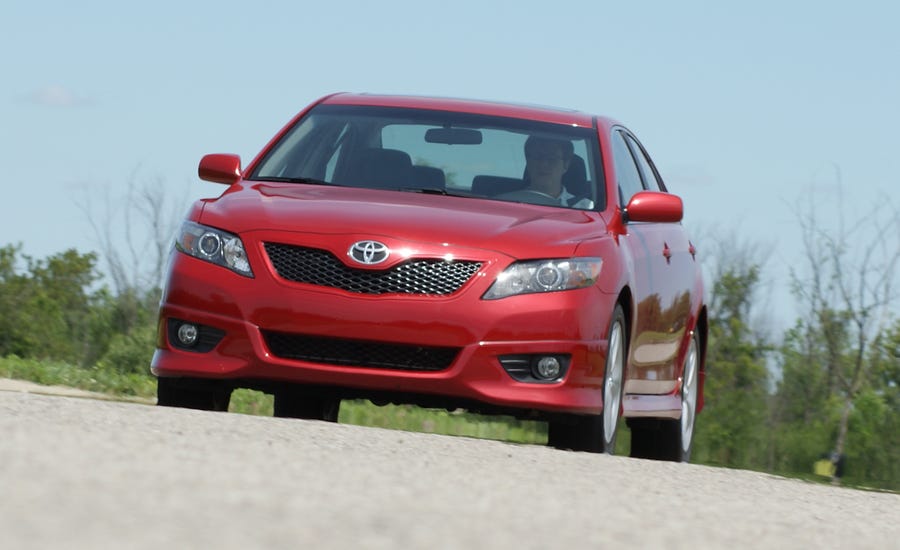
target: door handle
667 252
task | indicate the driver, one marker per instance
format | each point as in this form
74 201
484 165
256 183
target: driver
546 160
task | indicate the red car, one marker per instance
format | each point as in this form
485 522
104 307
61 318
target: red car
446 253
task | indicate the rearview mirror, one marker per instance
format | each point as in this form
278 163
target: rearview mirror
219 168
453 136
654 206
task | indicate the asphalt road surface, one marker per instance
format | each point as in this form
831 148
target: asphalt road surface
80 473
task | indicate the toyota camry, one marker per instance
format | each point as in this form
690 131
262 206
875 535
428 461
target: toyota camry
501 258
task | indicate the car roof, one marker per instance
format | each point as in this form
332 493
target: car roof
514 110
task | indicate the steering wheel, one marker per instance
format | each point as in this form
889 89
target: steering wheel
530 196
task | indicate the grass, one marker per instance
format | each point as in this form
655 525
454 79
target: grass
459 423
54 373
412 419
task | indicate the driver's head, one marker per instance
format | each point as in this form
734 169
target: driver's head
542 147
547 158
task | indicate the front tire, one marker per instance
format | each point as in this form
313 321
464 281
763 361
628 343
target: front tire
306 405
204 395
597 433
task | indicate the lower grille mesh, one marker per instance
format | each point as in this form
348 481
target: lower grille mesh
359 353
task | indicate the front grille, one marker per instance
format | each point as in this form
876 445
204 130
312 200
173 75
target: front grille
322 268
359 353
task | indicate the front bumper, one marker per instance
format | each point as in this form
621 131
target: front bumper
572 323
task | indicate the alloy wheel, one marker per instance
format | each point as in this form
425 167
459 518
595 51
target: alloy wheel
612 387
689 396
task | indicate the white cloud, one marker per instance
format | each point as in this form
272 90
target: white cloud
56 96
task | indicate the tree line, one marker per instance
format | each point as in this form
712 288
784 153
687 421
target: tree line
829 385
54 309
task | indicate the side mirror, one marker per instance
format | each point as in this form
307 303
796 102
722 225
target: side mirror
654 206
220 168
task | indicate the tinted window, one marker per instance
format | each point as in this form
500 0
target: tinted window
500 153
463 154
629 178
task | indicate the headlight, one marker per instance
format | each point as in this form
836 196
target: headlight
545 276
215 246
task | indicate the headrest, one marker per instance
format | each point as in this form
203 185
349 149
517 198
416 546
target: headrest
575 179
382 168
428 177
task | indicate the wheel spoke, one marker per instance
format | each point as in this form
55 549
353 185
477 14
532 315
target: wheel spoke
612 390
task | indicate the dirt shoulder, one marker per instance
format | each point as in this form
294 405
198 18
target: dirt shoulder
24 386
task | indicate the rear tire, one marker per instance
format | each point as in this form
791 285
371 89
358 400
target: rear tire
597 433
204 395
306 405
673 440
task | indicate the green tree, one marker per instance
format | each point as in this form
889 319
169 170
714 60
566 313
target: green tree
131 347
48 305
826 400
803 409
18 331
873 440
731 431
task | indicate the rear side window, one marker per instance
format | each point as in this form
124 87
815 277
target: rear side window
651 181
628 177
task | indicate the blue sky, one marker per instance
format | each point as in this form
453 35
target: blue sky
746 109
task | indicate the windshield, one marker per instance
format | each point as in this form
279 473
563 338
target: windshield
440 152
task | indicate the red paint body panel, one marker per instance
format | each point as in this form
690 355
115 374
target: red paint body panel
649 267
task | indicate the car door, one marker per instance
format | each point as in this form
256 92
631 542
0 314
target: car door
664 274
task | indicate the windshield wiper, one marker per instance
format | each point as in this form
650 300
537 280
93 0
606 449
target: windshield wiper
279 179
431 191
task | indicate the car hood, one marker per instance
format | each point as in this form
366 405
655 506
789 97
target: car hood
519 230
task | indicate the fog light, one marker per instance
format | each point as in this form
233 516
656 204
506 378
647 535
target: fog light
547 368
187 334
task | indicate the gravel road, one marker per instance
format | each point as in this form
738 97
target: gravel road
79 473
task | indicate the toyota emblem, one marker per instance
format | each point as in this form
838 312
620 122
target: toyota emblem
369 252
